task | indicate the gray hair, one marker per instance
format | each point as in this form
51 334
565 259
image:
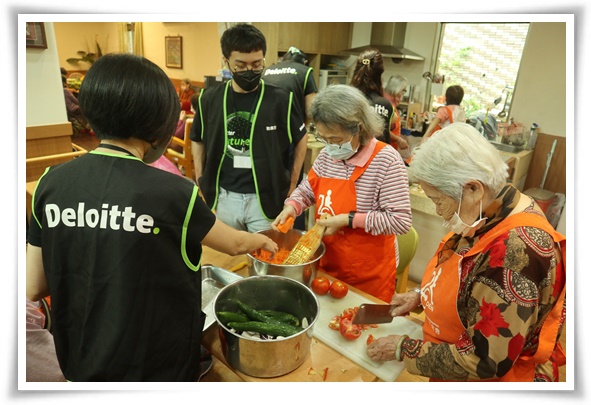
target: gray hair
346 108
455 155
396 83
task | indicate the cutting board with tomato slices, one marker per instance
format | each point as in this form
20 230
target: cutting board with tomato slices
356 349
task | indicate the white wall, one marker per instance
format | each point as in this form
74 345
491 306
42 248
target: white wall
44 91
541 87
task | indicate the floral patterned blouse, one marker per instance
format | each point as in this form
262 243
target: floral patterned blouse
505 291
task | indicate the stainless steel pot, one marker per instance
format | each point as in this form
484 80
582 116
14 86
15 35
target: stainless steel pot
267 358
304 273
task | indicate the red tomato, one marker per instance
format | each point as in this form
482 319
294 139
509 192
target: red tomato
338 289
320 285
348 330
370 339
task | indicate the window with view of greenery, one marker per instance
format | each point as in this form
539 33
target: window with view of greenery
484 59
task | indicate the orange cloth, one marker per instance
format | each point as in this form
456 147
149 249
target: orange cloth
362 260
440 290
185 99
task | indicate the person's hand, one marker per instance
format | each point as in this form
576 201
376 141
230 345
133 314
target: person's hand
183 115
405 302
267 243
384 348
334 223
288 211
402 143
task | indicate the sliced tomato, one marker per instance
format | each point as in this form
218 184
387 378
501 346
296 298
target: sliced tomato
348 330
370 339
335 323
349 313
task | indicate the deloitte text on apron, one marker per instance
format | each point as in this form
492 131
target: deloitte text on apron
365 261
439 293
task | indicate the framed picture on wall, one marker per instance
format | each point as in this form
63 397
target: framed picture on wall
174 52
36 35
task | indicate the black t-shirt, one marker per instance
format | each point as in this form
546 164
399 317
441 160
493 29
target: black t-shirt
240 107
121 245
294 77
384 108
277 127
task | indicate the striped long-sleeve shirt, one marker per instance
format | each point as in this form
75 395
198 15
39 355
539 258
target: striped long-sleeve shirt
383 198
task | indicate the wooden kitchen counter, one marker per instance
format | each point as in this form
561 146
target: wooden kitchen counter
322 356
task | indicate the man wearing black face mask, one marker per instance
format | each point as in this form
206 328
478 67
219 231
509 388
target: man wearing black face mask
244 135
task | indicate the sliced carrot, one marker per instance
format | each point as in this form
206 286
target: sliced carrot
286 226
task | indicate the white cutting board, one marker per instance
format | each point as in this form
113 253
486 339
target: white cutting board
356 349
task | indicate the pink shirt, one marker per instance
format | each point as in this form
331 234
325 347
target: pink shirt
383 199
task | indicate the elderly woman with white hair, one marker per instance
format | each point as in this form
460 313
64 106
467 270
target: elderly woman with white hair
493 293
362 183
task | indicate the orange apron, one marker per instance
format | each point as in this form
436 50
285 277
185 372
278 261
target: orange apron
395 128
365 261
439 298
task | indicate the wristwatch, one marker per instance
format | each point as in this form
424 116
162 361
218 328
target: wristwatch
418 291
351 216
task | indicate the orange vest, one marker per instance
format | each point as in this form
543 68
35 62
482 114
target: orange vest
362 260
439 293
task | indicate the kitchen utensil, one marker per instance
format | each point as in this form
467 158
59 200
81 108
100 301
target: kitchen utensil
213 279
307 245
304 272
271 357
373 313
356 350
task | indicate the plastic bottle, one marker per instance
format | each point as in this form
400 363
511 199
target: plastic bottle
533 137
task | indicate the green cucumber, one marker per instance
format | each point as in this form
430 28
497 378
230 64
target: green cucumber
272 329
255 315
284 317
227 316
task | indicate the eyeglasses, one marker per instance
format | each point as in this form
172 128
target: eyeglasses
256 68
324 141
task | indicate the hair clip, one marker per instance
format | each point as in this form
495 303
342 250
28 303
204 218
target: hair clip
293 50
365 61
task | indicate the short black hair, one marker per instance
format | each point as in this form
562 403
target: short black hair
245 38
454 95
128 96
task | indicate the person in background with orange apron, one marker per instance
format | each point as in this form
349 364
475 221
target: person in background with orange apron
494 292
449 113
362 184
394 90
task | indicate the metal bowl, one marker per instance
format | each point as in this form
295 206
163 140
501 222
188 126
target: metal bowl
267 358
304 273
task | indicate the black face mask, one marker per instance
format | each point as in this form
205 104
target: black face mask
248 81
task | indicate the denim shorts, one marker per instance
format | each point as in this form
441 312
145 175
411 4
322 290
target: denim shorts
241 211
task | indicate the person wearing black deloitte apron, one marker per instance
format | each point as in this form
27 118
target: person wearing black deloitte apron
242 134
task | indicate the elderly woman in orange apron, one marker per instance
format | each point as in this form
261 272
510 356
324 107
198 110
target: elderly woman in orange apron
362 183
493 293
394 90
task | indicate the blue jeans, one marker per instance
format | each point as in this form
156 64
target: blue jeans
241 211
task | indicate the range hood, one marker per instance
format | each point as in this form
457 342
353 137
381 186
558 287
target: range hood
388 38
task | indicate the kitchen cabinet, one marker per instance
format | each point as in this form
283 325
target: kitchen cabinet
518 166
321 41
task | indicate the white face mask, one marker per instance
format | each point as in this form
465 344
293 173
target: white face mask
456 225
341 152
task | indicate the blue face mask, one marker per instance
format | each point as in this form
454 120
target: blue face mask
341 152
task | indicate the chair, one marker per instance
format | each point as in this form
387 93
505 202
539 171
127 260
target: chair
407 247
184 158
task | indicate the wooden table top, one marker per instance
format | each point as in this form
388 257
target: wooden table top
321 357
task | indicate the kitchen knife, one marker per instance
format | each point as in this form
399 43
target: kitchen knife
373 313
